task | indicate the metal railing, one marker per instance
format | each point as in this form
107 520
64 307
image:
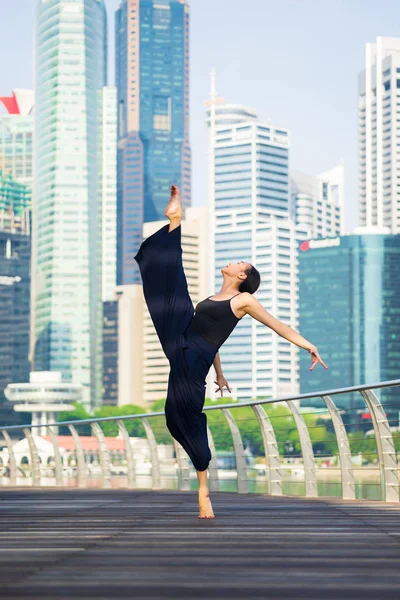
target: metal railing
386 453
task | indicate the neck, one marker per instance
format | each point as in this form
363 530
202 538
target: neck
228 289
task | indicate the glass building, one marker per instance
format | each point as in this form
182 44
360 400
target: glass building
349 308
71 48
15 256
152 78
249 197
15 203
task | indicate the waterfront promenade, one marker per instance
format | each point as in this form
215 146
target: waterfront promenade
109 544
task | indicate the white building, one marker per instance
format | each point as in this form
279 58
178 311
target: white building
379 135
317 202
44 396
249 213
71 50
108 190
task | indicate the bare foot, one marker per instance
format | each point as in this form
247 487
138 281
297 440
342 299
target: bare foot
205 506
174 208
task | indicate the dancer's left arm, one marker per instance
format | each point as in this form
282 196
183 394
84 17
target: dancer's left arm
253 307
221 381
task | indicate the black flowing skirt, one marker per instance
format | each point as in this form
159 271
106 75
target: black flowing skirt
189 354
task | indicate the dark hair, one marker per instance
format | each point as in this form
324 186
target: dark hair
252 281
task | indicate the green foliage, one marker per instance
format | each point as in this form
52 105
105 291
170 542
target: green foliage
78 414
134 426
158 425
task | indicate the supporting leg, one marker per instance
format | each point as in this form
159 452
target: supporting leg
205 506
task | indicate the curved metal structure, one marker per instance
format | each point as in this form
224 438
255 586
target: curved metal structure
35 463
213 481
310 473
384 440
130 461
241 467
80 458
105 462
57 457
346 464
155 463
271 451
386 450
183 467
12 465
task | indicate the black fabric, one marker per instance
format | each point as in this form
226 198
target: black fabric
214 320
189 354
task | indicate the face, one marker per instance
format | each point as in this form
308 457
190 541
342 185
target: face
236 269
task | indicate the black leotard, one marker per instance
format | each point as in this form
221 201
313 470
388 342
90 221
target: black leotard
215 320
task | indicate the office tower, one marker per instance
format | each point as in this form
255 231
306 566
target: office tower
15 258
16 136
15 202
249 216
152 78
108 190
379 136
110 352
317 202
67 215
349 308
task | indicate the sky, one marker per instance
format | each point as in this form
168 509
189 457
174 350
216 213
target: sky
295 61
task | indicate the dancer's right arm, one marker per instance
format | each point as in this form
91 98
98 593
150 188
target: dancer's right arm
221 381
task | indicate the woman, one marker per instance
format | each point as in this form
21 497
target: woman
191 341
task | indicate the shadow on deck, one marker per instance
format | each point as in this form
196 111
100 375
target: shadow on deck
109 544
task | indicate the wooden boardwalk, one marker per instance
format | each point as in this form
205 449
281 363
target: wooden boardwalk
111 544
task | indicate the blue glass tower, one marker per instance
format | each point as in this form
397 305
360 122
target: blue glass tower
349 308
152 78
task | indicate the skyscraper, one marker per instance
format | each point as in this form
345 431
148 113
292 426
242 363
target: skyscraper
317 202
152 78
379 136
67 214
354 318
249 215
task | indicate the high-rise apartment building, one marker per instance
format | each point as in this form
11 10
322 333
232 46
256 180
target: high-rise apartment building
317 202
71 47
379 135
16 136
152 78
249 215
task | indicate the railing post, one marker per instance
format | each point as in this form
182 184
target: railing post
11 459
241 467
271 451
130 461
57 457
35 463
310 475
80 458
155 464
105 462
213 480
386 450
346 465
183 467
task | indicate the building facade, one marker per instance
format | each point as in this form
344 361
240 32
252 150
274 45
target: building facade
349 308
379 136
15 256
152 78
317 202
16 136
67 212
15 204
108 188
110 352
249 214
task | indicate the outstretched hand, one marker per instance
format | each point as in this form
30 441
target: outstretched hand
222 382
315 358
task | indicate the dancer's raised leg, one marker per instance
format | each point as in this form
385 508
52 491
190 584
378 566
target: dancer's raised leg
205 506
174 208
